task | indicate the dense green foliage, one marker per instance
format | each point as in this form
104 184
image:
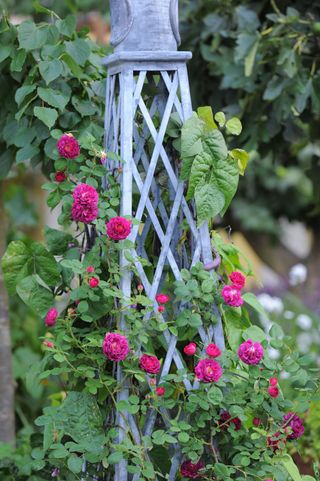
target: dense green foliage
261 59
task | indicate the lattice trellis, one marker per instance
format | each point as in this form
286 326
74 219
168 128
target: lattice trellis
143 90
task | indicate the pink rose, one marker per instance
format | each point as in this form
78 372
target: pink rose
232 296
274 441
191 470
161 309
257 421
60 176
190 349
94 282
293 421
226 419
162 298
68 146
213 351
48 344
238 279
115 346
273 381
208 370
250 353
150 364
160 391
118 228
90 269
85 203
273 391
51 317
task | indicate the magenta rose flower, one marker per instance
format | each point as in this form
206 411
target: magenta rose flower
191 470
118 228
51 317
85 203
238 279
60 176
190 349
213 351
226 419
250 352
293 421
115 346
232 296
150 364
68 146
162 299
208 370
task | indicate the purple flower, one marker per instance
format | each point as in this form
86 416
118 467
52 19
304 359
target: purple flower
85 203
250 352
293 421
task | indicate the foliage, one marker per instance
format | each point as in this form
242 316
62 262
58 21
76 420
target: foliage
52 79
262 60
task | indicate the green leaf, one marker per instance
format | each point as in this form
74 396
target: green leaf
35 295
27 153
30 36
199 172
115 457
242 157
250 59
183 437
5 51
57 240
255 333
67 26
53 97
235 324
215 395
22 92
206 114
252 300
18 60
191 145
287 461
75 464
46 115
234 126
50 70
79 50
220 118
209 202
20 261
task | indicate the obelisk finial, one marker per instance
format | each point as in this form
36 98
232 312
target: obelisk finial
140 25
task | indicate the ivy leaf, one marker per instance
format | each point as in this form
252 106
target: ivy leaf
50 69
234 126
209 202
30 36
20 261
53 97
33 293
46 115
199 172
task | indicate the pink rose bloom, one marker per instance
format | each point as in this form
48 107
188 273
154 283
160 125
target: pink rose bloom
293 421
161 309
208 370
232 296
190 349
226 419
94 282
51 317
257 421
118 228
213 350
238 279
160 391
60 176
48 344
115 346
68 146
191 470
250 352
150 364
90 269
273 381
162 299
85 203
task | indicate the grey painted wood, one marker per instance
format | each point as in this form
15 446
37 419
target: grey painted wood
144 25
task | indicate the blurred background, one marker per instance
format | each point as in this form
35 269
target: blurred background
259 61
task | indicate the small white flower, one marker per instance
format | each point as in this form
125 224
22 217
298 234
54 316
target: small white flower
297 274
288 314
304 321
272 304
284 375
274 353
304 342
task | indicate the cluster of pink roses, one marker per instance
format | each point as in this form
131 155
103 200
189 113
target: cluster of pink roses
162 299
232 294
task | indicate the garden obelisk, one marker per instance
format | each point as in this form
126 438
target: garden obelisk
147 83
